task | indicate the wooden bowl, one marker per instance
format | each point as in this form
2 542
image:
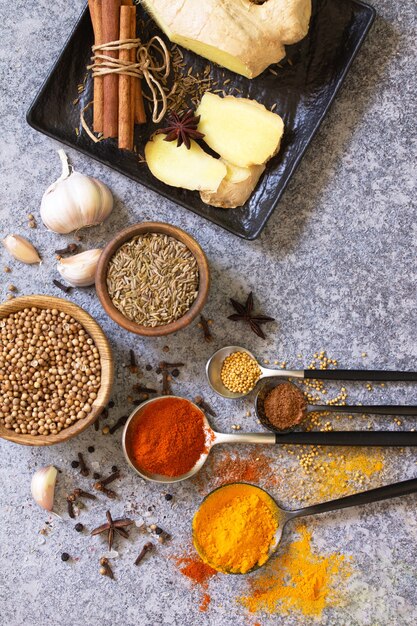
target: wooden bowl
106 361
111 249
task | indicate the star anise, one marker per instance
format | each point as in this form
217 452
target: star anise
244 313
182 128
113 526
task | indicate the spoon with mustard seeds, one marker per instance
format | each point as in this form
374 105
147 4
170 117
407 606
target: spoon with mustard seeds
281 406
212 438
224 365
283 516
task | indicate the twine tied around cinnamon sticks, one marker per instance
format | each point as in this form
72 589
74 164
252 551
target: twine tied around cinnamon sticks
145 66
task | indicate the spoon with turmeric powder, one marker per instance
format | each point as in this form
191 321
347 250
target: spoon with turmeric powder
233 372
168 439
239 526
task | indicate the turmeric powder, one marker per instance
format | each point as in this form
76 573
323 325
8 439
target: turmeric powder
234 529
298 580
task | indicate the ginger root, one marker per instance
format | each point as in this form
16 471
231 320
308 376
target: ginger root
238 34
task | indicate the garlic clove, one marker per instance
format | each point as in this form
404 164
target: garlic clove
79 270
43 486
21 249
75 201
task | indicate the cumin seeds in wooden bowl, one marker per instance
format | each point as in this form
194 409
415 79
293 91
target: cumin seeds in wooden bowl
153 279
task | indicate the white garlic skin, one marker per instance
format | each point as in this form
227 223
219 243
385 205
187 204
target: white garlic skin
75 201
79 270
43 487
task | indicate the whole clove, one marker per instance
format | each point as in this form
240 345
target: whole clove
70 249
70 506
204 324
80 493
120 422
166 386
84 471
132 365
164 365
205 406
142 389
146 548
61 286
101 485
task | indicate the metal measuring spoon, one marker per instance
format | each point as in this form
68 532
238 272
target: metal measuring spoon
334 438
394 490
371 409
215 363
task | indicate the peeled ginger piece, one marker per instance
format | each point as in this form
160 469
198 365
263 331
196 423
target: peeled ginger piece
191 169
242 131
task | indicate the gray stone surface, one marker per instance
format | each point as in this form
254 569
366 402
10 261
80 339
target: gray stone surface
335 266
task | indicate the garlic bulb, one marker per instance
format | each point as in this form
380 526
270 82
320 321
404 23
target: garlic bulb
75 201
21 249
80 270
43 487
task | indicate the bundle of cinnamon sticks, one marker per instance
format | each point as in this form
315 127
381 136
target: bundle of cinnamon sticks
118 101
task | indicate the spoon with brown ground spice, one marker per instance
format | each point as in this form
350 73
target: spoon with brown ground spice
281 406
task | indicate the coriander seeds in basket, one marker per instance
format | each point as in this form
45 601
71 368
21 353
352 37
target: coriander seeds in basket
50 371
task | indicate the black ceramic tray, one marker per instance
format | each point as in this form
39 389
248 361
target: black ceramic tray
303 90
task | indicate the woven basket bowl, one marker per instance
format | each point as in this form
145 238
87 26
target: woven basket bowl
106 361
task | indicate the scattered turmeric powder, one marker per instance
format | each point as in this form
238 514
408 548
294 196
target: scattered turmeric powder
234 528
298 580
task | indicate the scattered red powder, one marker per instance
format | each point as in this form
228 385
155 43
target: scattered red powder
197 571
205 602
231 467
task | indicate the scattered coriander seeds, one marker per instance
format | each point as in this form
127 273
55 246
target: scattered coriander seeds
50 369
153 279
240 372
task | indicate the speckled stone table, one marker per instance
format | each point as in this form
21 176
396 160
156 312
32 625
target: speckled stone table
335 267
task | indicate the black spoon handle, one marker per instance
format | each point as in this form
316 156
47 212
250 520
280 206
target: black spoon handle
394 490
350 438
378 409
372 375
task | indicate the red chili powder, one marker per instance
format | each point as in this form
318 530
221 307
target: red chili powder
168 438
196 570
232 467
205 602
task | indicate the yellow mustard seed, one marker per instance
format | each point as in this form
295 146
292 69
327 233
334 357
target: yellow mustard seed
240 372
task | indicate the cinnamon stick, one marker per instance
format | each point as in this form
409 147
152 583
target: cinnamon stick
96 19
111 31
125 83
138 104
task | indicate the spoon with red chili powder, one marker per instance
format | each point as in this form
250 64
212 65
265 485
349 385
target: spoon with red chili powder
281 406
168 439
